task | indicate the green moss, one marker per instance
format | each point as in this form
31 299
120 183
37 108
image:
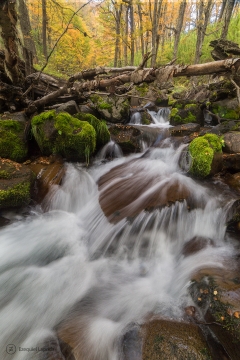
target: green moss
226 113
17 195
12 145
65 135
95 98
125 109
105 106
202 150
142 89
4 174
145 119
190 106
174 112
190 118
100 126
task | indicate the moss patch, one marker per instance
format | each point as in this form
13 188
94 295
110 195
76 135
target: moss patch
142 89
202 150
17 195
102 133
225 113
64 135
12 145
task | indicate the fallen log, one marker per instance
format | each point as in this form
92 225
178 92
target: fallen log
118 76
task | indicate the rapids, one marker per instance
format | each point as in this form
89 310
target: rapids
65 263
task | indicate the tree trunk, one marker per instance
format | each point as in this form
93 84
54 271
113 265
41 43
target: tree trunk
125 46
141 28
44 28
132 26
204 16
179 27
224 2
155 23
118 15
228 13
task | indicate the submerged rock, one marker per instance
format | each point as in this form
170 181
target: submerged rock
128 189
15 184
64 135
12 138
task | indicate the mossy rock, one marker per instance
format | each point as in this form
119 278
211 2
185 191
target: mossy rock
64 135
185 113
226 109
100 126
202 150
15 184
113 109
12 144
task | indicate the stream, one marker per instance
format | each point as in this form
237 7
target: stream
67 267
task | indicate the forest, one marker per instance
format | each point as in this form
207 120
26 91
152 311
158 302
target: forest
119 179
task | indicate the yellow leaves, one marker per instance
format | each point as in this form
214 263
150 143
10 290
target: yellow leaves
236 314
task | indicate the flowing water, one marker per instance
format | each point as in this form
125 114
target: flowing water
65 264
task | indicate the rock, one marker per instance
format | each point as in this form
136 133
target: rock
202 151
100 126
153 92
184 130
231 162
15 184
48 171
226 126
127 137
226 109
164 339
113 109
216 292
64 135
70 107
232 142
196 244
88 109
233 180
12 138
190 113
122 190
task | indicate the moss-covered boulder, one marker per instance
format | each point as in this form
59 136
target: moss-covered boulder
12 143
100 126
15 184
113 109
186 113
65 135
202 150
226 109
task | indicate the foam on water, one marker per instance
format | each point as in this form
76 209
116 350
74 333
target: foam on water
69 264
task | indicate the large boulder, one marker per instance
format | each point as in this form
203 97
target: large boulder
128 189
15 184
100 126
12 138
232 142
64 135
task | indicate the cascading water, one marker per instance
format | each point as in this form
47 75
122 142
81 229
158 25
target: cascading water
66 268
161 117
110 151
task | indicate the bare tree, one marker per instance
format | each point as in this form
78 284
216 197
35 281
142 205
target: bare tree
227 16
179 27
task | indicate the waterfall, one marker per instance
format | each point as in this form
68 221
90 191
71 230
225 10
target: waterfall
110 151
66 268
161 117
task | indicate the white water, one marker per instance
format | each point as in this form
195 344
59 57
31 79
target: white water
161 118
116 273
